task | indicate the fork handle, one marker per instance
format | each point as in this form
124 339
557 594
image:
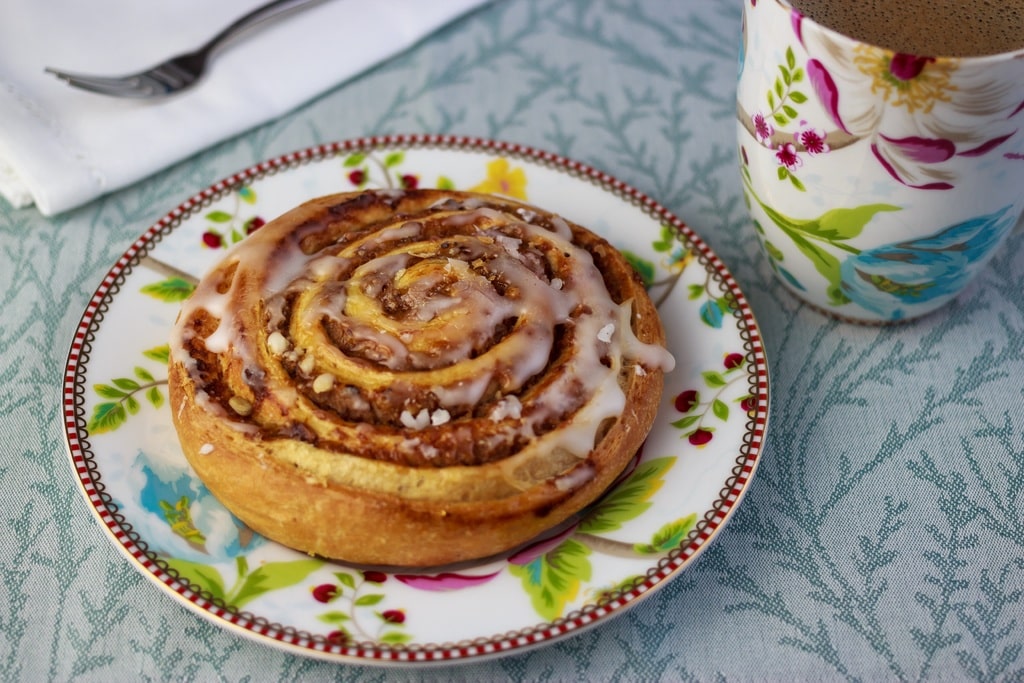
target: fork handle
257 16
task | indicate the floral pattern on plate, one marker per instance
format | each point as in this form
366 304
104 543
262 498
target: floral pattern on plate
124 449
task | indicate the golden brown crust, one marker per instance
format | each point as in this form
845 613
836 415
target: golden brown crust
393 464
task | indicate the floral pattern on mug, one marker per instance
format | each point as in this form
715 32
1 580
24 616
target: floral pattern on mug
795 136
921 111
900 160
893 277
890 280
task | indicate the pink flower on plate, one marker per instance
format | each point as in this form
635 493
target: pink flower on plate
787 156
445 581
812 140
940 109
763 130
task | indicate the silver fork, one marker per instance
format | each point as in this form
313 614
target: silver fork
181 72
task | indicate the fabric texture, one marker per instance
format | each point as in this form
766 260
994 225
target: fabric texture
61 147
882 538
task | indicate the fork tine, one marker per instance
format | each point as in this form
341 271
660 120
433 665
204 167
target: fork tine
99 81
121 87
154 83
139 86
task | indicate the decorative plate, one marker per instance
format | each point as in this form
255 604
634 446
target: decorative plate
692 472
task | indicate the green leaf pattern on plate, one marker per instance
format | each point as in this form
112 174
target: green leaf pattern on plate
122 393
669 536
229 227
629 500
171 290
554 578
248 584
701 407
676 256
352 598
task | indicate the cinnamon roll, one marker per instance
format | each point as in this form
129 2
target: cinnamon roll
415 378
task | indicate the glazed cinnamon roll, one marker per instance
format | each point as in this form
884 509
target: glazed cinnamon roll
415 378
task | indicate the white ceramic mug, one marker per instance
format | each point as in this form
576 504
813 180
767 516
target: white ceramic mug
879 183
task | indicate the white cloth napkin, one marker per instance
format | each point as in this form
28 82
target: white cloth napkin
61 147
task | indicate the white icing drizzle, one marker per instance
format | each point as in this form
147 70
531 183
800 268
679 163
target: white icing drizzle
449 312
464 392
653 356
510 244
508 406
562 228
576 477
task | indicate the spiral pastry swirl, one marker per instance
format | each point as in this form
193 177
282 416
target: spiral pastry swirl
415 378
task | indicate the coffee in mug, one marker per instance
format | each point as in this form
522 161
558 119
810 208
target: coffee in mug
950 28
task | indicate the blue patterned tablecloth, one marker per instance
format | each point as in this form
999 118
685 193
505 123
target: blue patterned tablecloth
881 539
